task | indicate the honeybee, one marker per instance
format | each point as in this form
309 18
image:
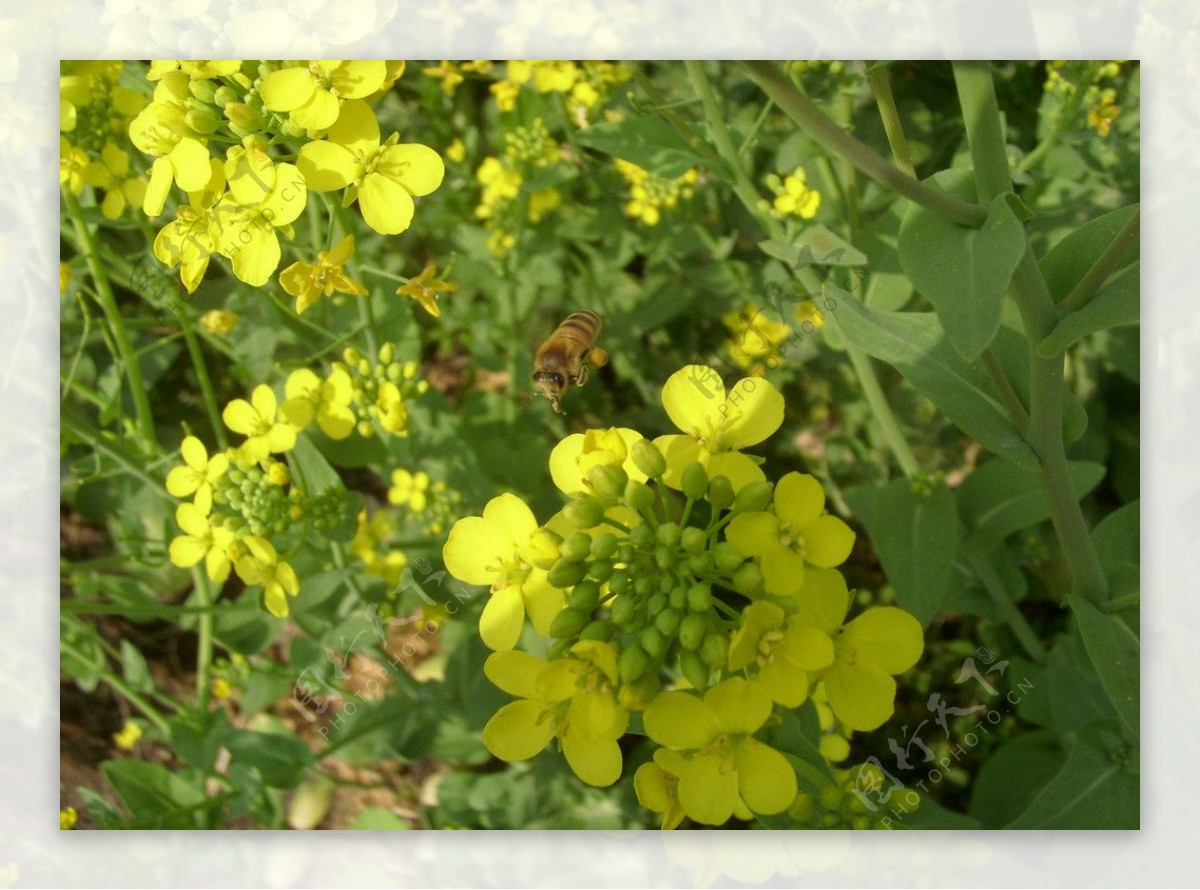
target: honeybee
566 356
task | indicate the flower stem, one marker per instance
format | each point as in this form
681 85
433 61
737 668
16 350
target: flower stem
1039 315
108 303
837 141
1104 266
881 86
204 631
202 377
994 587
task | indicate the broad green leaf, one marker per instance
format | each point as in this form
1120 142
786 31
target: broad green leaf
963 272
1115 654
888 291
1000 498
649 142
1117 303
79 654
310 470
197 736
280 759
916 346
814 245
1097 787
1013 774
1118 535
378 819
1065 264
929 815
153 793
916 538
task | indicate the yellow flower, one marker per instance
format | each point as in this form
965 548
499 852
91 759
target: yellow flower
221 688
879 643
424 289
219 321
307 396
67 819
389 409
793 197
161 131
572 699
756 338
111 173
262 197
262 565
409 489
195 69
798 532
495 549
543 202
506 92
784 655
312 93
577 454
456 151
190 240
128 736
447 73
198 472
72 161
308 282
256 420
385 177
201 539
717 425
710 747
658 791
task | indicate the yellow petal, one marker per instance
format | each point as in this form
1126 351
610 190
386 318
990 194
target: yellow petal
597 761
680 720
418 168
512 516
740 707
182 481
356 128
738 468
754 534
502 619
799 499
281 438
518 731
186 551
783 571
564 464
287 89
386 206
766 780
514 672
708 790
861 695
359 79
326 166
318 113
693 397
190 161
755 411
887 637
542 602
824 600
473 551
808 648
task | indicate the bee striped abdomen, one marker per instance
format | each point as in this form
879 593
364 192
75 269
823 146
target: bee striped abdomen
583 325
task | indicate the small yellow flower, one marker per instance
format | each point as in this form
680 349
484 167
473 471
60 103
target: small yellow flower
67 819
128 736
456 151
577 454
262 565
312 93
256 420
307 396
447 74
161 131
219 321
716 425
425 288
409 489
308 282
201 539
221 688
386 177
793 197
198 471
263 196
72 161
111 173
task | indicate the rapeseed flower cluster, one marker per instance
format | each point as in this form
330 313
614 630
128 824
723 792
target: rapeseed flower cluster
680 582
505 203
754 339
244 143
584 85
793 197
650 195
1089 84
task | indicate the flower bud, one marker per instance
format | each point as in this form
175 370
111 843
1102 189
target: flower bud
584 512
694 540
604 545
619 583
691 631
568 623
700 563
727 557
597 630
748 579
576 546
608 481
639 496
633 663
667 622
387 354
648 459
753 497
720 492
677 598
694 669
623 610
652 640
694 480
699 598
585 596
202 120
715 650
668 534
565 573
600 569
224 94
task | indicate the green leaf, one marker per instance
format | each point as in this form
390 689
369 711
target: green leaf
1115 653
378 819
79 654
1065 264
1011 349
929 815
310 470
814 245
1000 498
246 630
280 759
1117 303
103 813
197 736
649 142
1096 788
134 668
916 538
1118 535
153 793
963 272
916 346
1012 775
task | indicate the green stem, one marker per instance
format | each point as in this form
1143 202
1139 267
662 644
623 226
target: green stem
1012 404
170 613
834 139
204 630
1104 266
881 86
1039 315
108 303
742 185
366 312
848 173
993 585
202 377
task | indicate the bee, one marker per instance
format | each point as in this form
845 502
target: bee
566 356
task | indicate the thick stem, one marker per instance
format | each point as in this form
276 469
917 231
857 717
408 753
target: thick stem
882 88
108 303
1039 315
1104 266
834 139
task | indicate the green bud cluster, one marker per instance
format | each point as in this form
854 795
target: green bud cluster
664 588
263 507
